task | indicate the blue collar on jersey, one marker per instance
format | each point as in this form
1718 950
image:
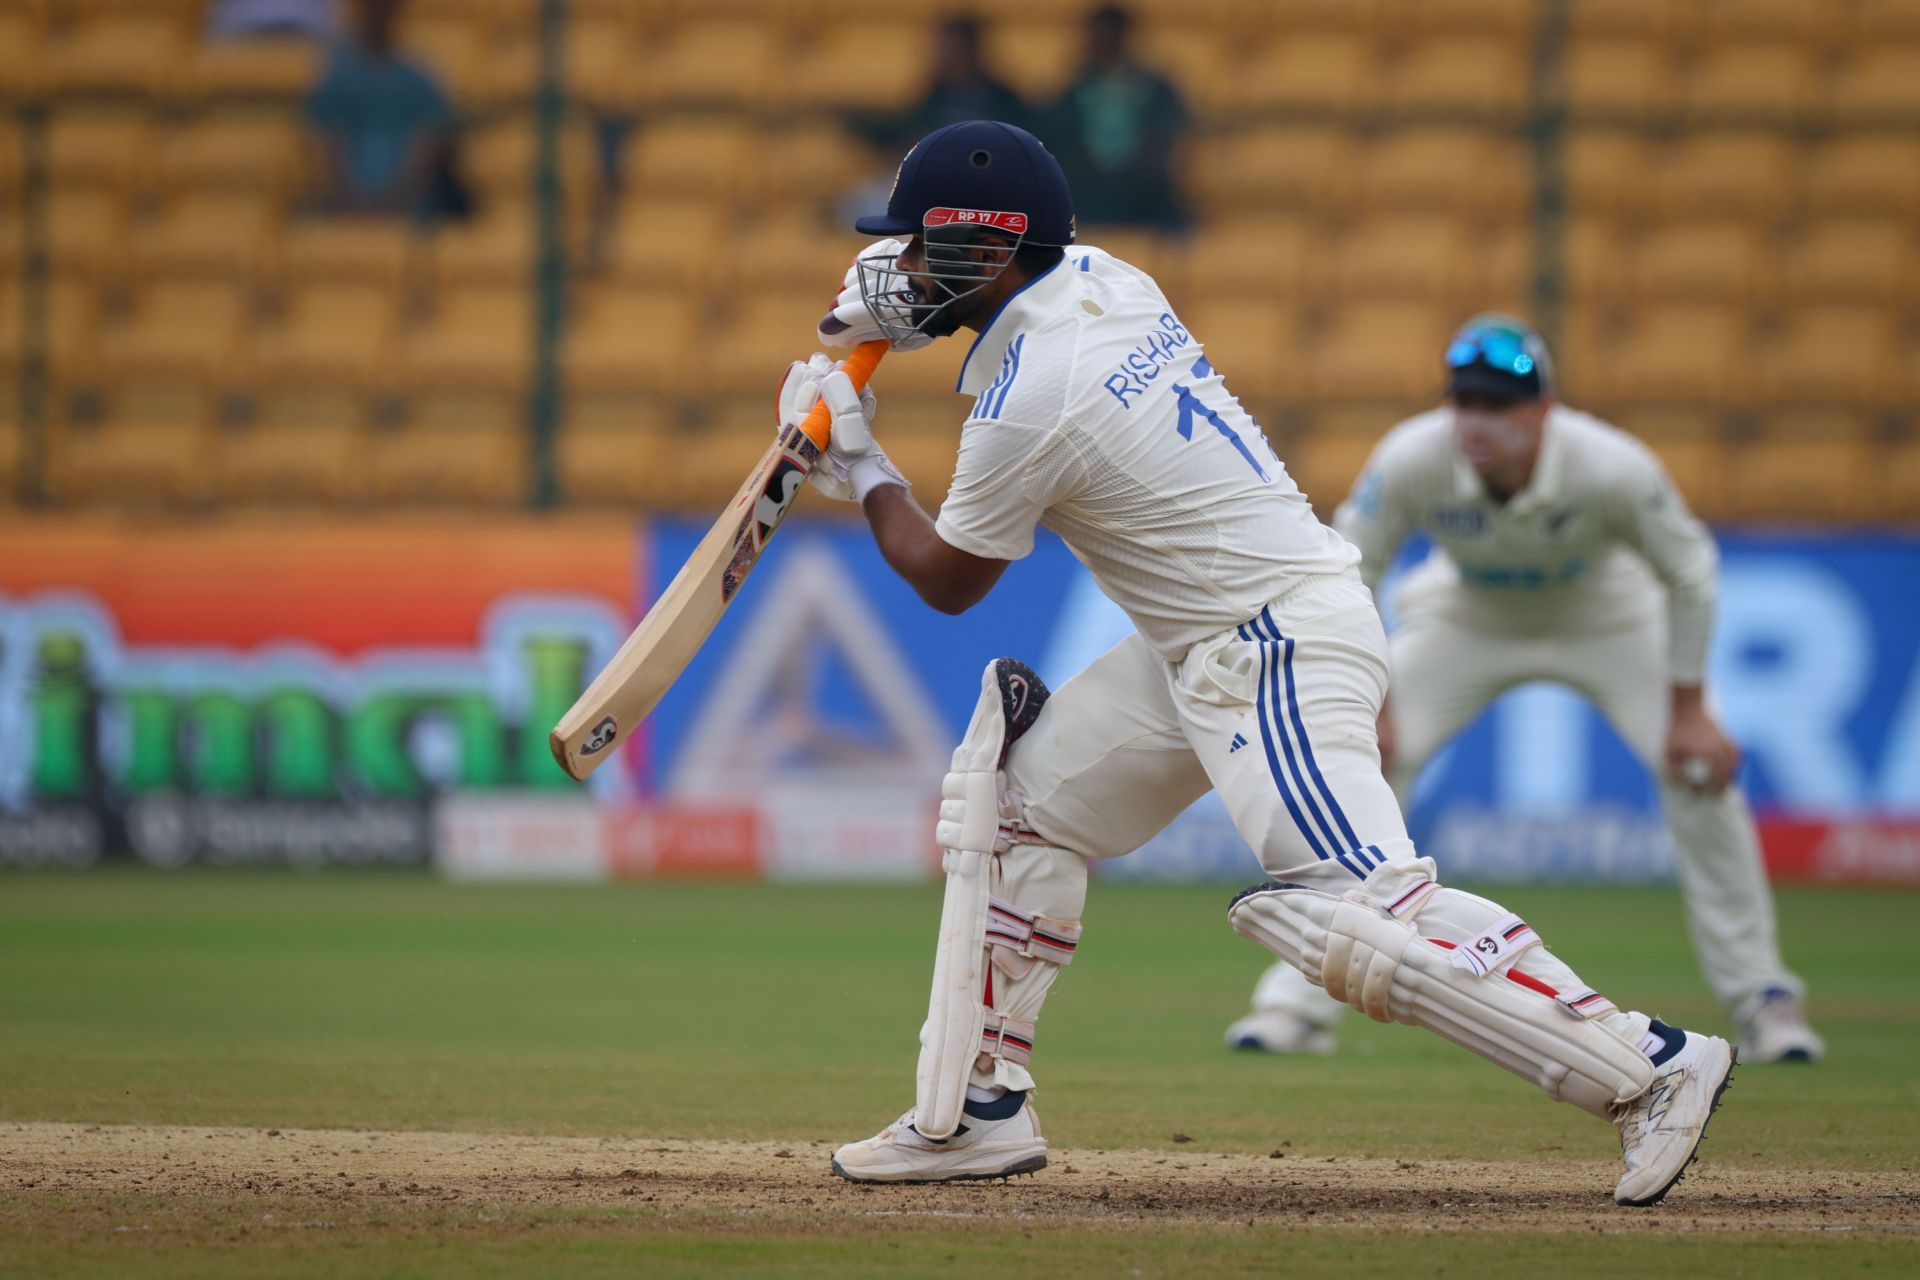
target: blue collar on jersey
1038 298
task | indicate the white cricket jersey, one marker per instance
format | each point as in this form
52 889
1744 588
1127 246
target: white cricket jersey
1570 552
1097 414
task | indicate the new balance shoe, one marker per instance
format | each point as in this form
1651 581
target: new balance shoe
1661 1130
995 1140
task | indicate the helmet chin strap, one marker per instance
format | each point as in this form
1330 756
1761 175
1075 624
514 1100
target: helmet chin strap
894 296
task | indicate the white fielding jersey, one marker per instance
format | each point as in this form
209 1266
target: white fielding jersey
1570 552
1097 414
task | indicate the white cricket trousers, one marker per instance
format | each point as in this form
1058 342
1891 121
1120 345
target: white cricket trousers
1446 671
1280 716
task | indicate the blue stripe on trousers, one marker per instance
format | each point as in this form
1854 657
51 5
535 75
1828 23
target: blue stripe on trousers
1270 689
1306 747
1273 759
1350 852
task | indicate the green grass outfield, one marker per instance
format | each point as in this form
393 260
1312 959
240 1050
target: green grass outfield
387 1001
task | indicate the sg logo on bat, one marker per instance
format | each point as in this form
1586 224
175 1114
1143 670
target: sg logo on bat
601 738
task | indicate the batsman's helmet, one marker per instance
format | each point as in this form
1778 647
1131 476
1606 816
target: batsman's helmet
1499 356
958 186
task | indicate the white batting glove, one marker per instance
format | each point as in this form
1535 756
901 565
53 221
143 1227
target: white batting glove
850 322
853 465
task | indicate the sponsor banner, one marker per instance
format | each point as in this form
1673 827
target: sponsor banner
1843 852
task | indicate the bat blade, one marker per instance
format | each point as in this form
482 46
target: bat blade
659 649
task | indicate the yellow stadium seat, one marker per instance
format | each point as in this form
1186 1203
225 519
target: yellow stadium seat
1459 73
1513 20
1593 259
1807 22
1619 17
675 241
810 158
1697 464
349 248
626 340
1773 81
1268 169
729 62
1325 460
454 49
1883 22
86 232
1607 171
1254 344
495 247
179 329
1036 55
71 333
480 338
598 59
737 433
1816 471
22 36
1723 174
116 53
1496 270
332 332
614 450
1877 174
1427 168
255 149
152 441
1325 70
1201 60
1711 260
304 442
1398 256
283 69
210 233
1832 354
465 445
865 64
790 249
1379 351
1688 353
767 332
1894 489
1620 77
691 156
108 147
1150 251
1878 86
500 160
1851 260
1253 256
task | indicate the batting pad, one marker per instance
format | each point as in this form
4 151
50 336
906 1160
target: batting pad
1382 966
957 1029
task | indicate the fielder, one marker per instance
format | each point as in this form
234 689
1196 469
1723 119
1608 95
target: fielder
1258 668
1563 554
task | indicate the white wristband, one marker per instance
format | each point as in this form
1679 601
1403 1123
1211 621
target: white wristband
870 471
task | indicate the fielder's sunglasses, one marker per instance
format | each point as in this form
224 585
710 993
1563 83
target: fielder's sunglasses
1499 348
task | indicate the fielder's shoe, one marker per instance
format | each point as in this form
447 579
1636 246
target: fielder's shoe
1661 1130
1277 1031
995 1140
1777 1031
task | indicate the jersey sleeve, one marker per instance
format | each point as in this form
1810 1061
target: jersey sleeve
994 503
1652 518
1377 515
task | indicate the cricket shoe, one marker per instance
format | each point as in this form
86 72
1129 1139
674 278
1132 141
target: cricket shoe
1777 1031
995 1140
1277 1031
1661 1130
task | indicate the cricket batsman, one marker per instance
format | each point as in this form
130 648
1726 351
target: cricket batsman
1563 553
1258 667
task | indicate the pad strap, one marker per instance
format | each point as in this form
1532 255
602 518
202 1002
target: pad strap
1495 947
1009 1038
1022 937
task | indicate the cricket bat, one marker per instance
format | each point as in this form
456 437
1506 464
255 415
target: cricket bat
652 658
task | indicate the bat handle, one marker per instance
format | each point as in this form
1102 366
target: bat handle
859 366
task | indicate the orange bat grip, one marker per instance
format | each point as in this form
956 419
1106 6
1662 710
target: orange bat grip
859 366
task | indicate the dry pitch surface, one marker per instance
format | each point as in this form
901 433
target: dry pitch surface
330 1177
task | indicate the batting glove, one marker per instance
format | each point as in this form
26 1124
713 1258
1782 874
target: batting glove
853 465
850 322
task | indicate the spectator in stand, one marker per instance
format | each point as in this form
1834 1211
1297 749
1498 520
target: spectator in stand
1117 130
383 126
961 87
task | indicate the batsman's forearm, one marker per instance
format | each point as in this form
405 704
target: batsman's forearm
909 543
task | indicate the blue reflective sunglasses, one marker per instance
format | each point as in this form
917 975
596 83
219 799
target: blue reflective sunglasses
1503 349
